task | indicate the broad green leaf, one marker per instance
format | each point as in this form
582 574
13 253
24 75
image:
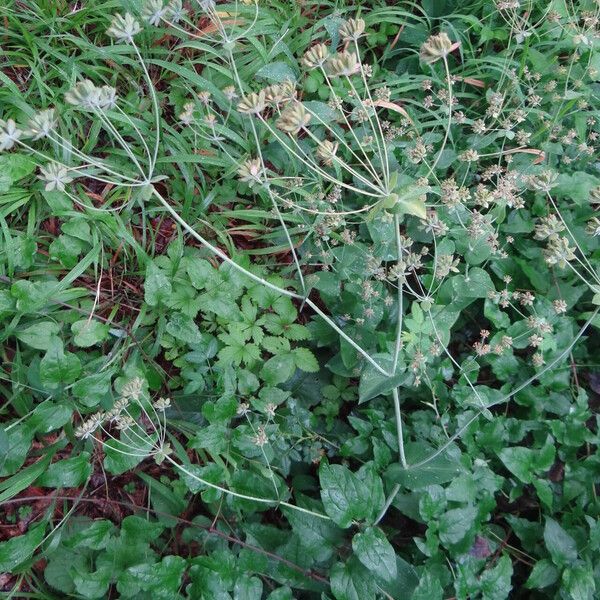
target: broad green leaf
496 582
579 582
305 360
277 72
70 472
429 588
352 581
455 524
39 335
157 286
183 328
560 544
14 167
345 497
89 332
438 468
375 552
19 549
543 574
59 368
374 383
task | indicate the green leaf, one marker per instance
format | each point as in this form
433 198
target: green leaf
120 458
14 167
305 360
476 284
543 574
352 581
182 327
455 524
59 368
248 588
162 578
19 549
39 335
278 369
374 383
560 544
277 72
496 582
345 497
429 588
89 332
67 473
442 468
48 416
157 286
579 582
519 461
375 552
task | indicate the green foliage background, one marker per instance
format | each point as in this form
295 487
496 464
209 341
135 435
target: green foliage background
104 286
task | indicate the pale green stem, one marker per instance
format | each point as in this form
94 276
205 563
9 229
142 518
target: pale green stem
400 298
447 133
344 165
313 166
112 129
399 429
156 110
245 496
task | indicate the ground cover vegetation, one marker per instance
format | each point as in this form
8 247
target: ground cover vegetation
299 299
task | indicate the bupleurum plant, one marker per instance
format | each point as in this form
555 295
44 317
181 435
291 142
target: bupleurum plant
430 226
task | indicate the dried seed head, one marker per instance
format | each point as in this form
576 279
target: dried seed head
56 176
250 170
559 252
343 64
86 96
9 134
315 56
595 197
204 97
186 116
436 47
132 390
153 12
543 182
41 124
327 151
175 11
293 119
275 94
352 29
162 403
123 423
123 28
230 93
252 104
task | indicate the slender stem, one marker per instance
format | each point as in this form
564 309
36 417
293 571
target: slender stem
400 297
399 431
386 162
388 503
156 110
450 100
245 496
315 167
